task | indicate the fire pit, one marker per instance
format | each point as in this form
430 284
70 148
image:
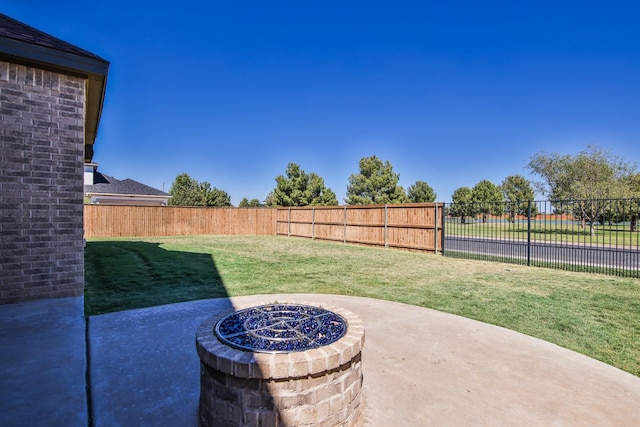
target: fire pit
280 328
281 364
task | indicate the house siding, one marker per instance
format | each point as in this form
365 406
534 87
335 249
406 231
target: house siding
42 115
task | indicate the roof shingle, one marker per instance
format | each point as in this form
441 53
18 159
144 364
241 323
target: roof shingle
105 184
16 30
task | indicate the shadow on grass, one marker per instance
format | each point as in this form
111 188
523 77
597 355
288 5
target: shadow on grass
123 275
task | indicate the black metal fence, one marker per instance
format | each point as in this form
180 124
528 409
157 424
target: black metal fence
599 236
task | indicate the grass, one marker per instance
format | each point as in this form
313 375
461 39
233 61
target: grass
592 314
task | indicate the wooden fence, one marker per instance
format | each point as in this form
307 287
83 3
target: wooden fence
114 221
406 226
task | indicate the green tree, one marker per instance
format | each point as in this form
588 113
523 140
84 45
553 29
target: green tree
631 208
187 191
487 199
246 203
461 205
214 196
421 192
589 179
375 184
633 183
268 201
518 192
298 188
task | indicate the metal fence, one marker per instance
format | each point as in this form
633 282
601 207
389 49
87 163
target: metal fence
599 236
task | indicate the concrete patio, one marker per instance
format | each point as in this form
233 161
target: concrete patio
421 367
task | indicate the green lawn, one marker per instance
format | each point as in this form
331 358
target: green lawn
593 314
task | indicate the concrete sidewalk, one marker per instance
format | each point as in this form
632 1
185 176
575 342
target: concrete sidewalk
43 363
421 367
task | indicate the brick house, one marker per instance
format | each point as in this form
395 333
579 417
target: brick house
104 189
51 98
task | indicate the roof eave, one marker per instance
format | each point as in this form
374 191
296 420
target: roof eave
151 196
92 68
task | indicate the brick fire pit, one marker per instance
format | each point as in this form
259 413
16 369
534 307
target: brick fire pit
281 364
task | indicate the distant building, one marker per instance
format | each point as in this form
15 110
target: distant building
104 189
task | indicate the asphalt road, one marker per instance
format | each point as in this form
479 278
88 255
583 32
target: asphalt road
547 252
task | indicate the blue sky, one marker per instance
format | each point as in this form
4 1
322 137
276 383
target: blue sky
450 92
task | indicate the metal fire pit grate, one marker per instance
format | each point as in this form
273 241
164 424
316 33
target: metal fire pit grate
280 328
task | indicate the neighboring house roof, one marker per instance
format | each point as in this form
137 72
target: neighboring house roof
105 184
22 44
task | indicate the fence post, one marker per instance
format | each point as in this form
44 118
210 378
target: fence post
344 234
529 233
444 224
435 239
313 223
275 222
386 243
289 223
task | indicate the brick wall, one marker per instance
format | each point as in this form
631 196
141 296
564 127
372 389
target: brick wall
41 184
319 387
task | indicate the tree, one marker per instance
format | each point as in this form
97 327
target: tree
246 203
632 207
421 192
590 174
298 188
268 201
633 182
487 199
461 205
214 196
589 179
375 184
186 191
518 192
